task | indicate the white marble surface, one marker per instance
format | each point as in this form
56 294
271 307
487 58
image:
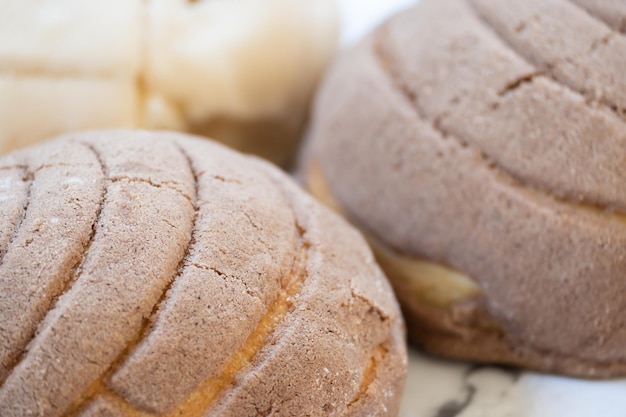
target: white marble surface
437 388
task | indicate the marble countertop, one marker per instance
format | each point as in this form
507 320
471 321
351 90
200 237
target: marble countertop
438 388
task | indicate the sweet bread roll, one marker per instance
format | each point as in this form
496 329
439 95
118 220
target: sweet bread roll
242 71
155 274
481 144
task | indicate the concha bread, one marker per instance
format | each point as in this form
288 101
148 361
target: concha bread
155 274
240 69
482 145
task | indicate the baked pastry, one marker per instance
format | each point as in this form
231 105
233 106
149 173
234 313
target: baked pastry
481 144
154 274
240 71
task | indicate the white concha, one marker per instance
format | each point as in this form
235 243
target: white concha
202 66
65 38
61 104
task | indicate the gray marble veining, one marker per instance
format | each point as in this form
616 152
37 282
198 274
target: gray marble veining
437 388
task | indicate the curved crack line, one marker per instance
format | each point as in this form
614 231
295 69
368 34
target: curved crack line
28 178
170 185
617 31
516 84
385 62
60 164
43 166
588 96
370 371
99 388
17 166
200 400
74 273
206 395
226 276
379 312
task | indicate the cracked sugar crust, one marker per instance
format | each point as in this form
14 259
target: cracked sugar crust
549 113
162 275
472 156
